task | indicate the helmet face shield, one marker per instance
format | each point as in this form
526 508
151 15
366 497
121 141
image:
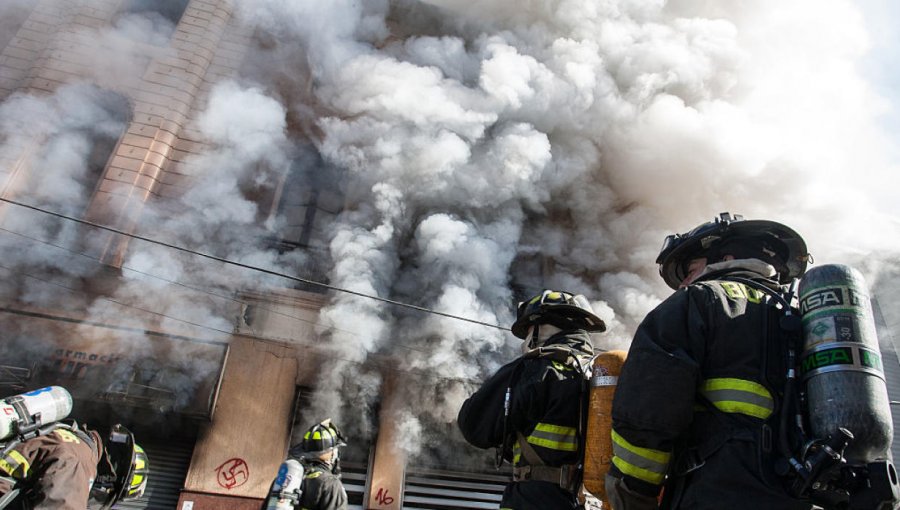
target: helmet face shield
122 472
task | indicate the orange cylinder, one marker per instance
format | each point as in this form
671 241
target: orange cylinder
598 448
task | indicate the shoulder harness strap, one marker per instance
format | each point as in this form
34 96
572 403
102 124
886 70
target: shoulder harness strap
695 457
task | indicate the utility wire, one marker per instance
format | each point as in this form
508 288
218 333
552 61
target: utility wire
247 266
145 310
196 289
384 366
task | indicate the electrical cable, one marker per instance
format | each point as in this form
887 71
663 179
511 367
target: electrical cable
250 267
385 366
196 289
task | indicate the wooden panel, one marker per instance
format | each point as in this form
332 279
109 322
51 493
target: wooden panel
389 465
239 452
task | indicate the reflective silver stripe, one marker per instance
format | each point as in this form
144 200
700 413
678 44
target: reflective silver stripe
15 465
733 395
642 463
555 437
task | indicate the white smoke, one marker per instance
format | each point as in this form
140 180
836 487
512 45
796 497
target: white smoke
478 135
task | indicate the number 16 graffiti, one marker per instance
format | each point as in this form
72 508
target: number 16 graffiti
382 498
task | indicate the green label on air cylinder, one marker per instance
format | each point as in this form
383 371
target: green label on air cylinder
827 358
832 358
871 359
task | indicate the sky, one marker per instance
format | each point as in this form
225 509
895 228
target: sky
882 66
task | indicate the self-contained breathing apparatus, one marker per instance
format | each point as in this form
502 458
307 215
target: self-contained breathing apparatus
25 416
288 487
835 428
124 466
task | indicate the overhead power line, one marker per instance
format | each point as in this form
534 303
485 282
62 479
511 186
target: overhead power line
329 327
248 266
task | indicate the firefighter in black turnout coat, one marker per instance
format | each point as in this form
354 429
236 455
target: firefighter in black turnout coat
532 409
697 404
323 489
317 484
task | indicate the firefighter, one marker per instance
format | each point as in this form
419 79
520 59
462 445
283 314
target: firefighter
66 467
533 409
318 455
696 409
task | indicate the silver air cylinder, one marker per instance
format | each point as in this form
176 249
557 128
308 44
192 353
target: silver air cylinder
841 362
50 404
286 491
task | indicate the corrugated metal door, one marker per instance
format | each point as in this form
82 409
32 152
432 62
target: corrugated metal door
445 490
168 467
353 477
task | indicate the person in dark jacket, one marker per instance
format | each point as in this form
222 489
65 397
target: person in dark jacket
697 404
319 455
533 409
67 468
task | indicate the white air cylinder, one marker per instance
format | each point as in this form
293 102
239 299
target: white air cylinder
50 404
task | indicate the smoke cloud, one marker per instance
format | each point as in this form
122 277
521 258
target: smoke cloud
497 148
482 152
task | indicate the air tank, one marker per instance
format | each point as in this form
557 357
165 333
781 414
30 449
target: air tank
598 449
48 405
841 362
286 489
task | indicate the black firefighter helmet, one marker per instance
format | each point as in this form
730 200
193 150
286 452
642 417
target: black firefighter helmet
560 309
122 472
322 437
729 234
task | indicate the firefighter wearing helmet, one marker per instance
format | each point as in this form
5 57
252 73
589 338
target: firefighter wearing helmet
697 407
122 472
532 409
310 478
66 467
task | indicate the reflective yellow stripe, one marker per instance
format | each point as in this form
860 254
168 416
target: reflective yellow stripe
517 453
644 464
67 436
554 437
732 395
560 366
15 465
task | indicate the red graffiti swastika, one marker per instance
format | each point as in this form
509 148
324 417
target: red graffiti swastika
232 473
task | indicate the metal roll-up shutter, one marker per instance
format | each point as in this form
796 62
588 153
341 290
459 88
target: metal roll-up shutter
353 477
447 490
169 464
